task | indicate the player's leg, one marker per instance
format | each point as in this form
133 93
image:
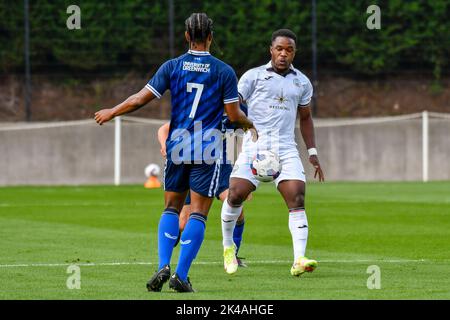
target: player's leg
168 231
176 186
203 184
168 228
239 190
291 185
242 183
238 229
185 212
222 194
184 216
293 192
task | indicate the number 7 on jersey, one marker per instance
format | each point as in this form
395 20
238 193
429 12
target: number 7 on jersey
198 94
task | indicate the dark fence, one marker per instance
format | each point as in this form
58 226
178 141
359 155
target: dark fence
116 41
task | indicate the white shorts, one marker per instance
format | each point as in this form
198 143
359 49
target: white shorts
291 168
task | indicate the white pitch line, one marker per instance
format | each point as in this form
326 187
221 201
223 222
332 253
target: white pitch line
99 264
82 204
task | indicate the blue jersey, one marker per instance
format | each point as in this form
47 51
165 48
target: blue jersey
228 125
200 85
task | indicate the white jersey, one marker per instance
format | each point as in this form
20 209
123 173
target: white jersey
273 101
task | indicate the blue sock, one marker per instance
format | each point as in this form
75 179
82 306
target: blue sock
168 230
237 234
191 240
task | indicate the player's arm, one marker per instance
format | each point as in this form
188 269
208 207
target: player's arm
239 119
231 103
155 88
243 105
132 103
307 131
163 133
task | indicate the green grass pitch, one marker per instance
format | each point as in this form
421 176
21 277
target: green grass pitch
110 232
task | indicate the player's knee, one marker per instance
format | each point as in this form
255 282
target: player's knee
172 209
235 198
298 201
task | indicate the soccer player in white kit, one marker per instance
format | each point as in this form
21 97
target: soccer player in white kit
274 94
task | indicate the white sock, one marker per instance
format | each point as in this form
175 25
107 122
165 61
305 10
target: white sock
298 224
229 217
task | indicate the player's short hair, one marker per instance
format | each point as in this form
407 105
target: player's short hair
284 33
199 27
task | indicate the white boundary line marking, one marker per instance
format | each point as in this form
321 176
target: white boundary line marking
99 264
68 204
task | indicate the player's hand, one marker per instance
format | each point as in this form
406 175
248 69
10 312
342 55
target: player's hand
103 116
318 170
254 133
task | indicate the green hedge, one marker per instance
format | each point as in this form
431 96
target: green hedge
133 35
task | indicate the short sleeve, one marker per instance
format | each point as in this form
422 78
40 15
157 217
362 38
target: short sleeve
246 85
307 93
229 86
161 80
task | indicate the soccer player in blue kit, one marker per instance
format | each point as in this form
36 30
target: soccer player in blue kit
201 87
223 182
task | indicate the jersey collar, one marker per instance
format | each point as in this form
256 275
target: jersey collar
269 67
199 53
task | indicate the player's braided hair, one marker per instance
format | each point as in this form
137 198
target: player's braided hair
199 27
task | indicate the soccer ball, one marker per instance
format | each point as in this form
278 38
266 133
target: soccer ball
266 166
152 170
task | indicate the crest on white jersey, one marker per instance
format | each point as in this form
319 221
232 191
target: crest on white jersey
281 99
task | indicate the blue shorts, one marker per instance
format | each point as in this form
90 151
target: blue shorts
224 181
202 178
